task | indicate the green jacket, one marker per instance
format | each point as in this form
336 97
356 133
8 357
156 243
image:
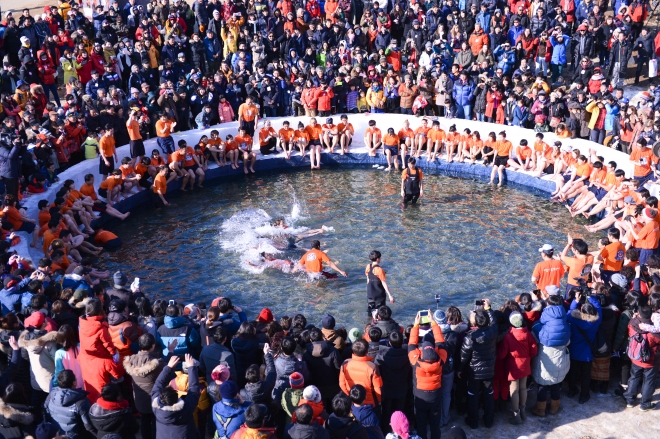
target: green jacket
290 399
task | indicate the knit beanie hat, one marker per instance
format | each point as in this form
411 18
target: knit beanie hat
228 390
354 334
312 393
516 319
119 279
440 317
296 380
265 316
399 424
220 374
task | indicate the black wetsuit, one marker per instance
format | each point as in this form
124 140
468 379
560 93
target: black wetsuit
376 294
411 186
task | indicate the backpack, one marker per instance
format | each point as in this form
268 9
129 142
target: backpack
638 348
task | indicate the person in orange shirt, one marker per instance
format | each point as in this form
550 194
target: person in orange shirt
136 143
312 262
330 137
391 149
188 165
540 148
87 189
216 148
578 177
160 187
502 152
548 272
611 256
406 137
231 151
476 148
244 143
314 131
164 128
523 160
647 238
130 178
156 159
576 263
436 137
421 137
464 145
19 221
412 182
51 234
578 191
345 131
332 11
451 142
598 190
267 139
110 188
372 138
108 155
248 116
643 158
301 138
285 139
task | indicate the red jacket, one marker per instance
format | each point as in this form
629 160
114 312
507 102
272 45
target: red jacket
517 349
85 70
47 70
225 112
360 370
324 99
652 340
95 338
308 98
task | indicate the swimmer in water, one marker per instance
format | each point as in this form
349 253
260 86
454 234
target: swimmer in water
312 262
268 261
295 238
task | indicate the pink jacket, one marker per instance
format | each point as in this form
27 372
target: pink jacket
225 112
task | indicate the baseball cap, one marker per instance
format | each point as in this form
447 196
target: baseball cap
546 248
553 290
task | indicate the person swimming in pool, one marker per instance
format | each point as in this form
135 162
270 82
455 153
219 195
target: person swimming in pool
269 261
292 239
312 262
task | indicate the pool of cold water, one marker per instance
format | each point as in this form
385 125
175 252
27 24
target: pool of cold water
466 240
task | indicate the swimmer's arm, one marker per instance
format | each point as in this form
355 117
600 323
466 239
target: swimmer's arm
337 269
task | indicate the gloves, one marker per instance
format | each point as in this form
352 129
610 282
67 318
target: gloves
115 357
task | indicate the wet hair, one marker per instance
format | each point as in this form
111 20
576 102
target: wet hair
375 334
316 244
146 342
67 337
374 255
65 379
360 348
396 340
304 414
357 394
341 405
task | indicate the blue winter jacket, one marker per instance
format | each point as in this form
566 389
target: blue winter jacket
514 33
520 116
10 297
228 416
579 348
505 60
231 322
483 18
212 46
553 329
463 92
559 50
612 113
178 328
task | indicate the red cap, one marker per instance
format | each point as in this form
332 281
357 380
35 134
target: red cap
265 316
35 320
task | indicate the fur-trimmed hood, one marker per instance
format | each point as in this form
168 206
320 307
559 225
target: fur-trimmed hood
576 314
36 339
16 413
141 364
156 405
80 305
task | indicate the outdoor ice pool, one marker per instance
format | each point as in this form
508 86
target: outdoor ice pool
465 240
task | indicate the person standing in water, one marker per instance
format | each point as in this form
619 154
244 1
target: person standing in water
377 288
412 187
312 262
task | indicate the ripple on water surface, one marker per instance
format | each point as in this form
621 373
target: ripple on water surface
465 241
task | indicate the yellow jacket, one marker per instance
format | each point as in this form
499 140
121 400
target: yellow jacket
153 57
375 98
180 384
21 98
230 38
592 108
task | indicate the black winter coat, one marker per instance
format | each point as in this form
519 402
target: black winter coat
284 367
343 428
16 421
324 362
246 353
10 162
260 392
395 371
479 350
311 431
109 419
